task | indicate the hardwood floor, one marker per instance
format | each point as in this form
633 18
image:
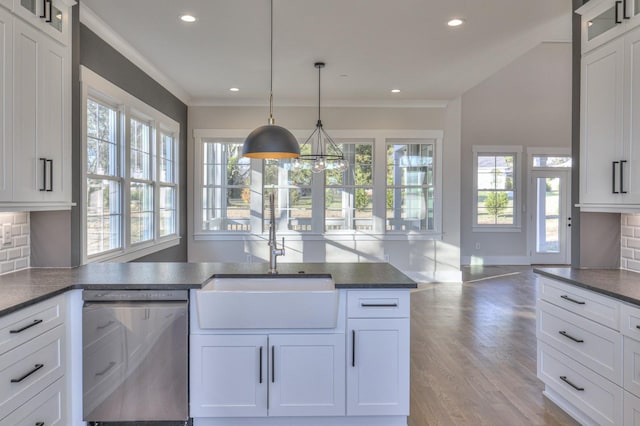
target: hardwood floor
473 352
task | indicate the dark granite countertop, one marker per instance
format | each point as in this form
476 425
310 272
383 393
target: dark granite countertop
23 288
617 283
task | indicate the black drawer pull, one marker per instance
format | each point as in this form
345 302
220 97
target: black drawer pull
26 327
273 364
35 368
44 174
44 9
260 364
568 336
106 370
618 21
564 379
379 305
50 18
622 191
353 348
638 327
578 302
40 424
50 189
102 327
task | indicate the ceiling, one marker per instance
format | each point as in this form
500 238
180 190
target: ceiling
369 46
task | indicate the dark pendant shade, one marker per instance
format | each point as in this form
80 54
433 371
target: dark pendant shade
271 141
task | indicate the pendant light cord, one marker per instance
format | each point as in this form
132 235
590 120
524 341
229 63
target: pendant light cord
319 122
271 120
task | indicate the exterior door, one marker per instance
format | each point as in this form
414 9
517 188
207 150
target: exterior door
550 224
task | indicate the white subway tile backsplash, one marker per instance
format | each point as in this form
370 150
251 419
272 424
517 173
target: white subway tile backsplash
626 253
630 242
16 256
627 231
633 219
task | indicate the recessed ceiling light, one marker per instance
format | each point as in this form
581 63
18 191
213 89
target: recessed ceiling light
589 23
188 18
234 89
395 90
455 22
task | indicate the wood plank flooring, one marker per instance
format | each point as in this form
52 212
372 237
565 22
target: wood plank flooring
473 353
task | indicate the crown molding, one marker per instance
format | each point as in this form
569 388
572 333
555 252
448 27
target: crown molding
350 103
115 40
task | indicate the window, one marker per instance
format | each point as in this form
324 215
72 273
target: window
131 185
390 189
496 187
551 161
410 186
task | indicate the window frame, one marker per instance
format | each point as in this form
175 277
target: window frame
96 87
258 232
496 150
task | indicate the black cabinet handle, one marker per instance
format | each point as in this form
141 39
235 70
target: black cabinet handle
35 368
622 191
564 379
273 364
26 327
102 327
379 305
44 9
49 19
568 336
109 367
618 21
44 174
50 189
39 424
353 348
260 367
577 302
613 175
624 10
638 327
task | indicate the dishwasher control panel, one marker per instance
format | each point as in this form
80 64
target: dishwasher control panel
134 295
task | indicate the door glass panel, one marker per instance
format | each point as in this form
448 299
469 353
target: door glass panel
56 18
636 7
548 215
30 5
602 23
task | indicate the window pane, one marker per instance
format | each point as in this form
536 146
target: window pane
102 143
349 194
103 216
495 208
141 206
404 158
410 209
495 186
226 192
551 161
292 189
140 150
167 160
167 210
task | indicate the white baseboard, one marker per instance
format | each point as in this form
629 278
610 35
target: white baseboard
303 421
495 260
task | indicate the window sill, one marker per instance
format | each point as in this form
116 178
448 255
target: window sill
136 252
351 236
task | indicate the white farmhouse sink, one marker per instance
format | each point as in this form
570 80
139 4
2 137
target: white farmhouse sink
268 301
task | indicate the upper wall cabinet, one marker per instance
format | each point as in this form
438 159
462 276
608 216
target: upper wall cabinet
604 20
49 16
35 114
609 124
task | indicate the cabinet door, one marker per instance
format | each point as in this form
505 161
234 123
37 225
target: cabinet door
307 375
228 376
378 367
601 124
51 17
631 410
599 23
6 106
632 117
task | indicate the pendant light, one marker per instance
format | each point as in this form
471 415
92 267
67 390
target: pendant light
325 152
271 141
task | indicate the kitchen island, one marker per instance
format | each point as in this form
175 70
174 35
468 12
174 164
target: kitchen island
352 374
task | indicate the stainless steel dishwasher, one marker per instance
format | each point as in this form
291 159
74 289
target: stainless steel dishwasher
135 360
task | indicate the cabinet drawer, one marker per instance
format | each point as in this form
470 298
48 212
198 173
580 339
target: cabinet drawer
631 410
630 321
591 393
18 327
598 308
589 343
631 374
46 408
378 304
30 368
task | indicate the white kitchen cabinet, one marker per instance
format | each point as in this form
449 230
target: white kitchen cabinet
41 93
6 104
49 16
7 4
631 410
291 374
45 409
306 375
228 375
378 367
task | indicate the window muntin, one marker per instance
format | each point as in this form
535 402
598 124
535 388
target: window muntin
410 193
226 187
495 189
349 194
104 209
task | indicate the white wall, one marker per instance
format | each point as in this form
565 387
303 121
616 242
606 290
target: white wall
423 260
528 103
